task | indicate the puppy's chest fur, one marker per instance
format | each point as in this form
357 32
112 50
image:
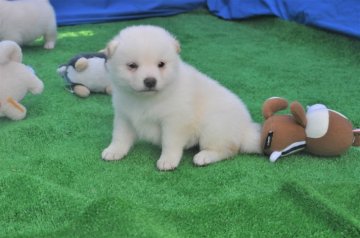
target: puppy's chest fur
146 123
148 117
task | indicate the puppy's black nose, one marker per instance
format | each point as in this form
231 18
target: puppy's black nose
150 82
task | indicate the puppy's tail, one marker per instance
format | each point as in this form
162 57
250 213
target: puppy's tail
251 140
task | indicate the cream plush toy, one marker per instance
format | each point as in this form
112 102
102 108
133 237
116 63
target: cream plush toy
86 73
16 79
23 21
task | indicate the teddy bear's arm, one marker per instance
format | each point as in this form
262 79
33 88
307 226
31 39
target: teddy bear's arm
36 86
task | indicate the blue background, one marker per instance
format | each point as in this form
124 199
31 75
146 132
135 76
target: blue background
335 15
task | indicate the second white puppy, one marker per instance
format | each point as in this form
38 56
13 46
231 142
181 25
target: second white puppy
23 21
159 98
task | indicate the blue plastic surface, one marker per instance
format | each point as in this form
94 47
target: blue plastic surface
335 15
69 12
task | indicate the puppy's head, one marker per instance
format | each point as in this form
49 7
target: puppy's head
143 58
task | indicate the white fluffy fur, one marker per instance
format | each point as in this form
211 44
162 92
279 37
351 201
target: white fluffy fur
185 108
23 21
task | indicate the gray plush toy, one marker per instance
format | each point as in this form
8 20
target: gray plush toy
86 73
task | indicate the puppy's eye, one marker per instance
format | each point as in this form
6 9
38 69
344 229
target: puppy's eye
132 66
161 64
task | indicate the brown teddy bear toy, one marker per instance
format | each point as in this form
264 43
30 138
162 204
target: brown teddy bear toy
319 131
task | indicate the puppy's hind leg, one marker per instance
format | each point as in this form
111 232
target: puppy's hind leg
222 139
50 38
217 142
209 156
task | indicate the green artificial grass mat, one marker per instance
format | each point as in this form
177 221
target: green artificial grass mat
54 184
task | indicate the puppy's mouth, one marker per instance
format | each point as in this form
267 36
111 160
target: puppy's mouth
148 90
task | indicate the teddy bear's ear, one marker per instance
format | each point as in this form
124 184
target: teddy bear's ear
81 64
111 48
273 105
299 113
10 51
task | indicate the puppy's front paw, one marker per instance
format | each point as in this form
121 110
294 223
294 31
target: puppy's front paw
203 158
113 153
49 45
166 164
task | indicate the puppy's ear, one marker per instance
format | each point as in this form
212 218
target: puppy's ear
111 48
177 46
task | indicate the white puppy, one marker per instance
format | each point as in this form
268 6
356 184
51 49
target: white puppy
159 98
23 21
